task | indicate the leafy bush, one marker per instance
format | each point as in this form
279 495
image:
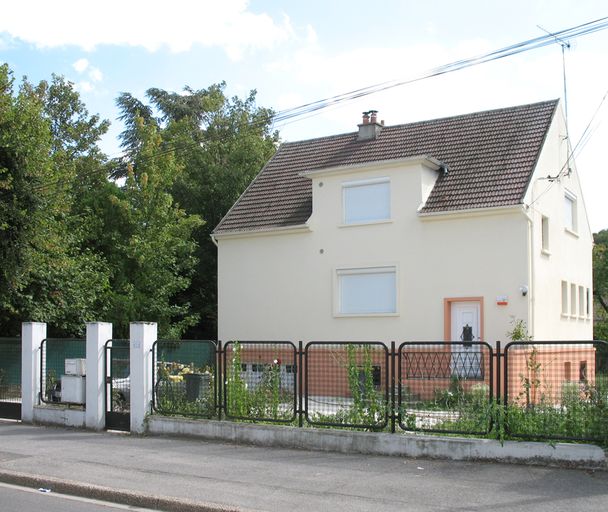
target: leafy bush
262 400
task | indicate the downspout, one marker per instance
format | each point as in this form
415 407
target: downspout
213 240
531 278
531 267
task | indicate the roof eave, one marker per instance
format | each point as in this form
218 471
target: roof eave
426 160
245 233
473 212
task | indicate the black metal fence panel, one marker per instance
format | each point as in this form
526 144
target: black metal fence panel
541 390
185 378
260 381
118 384
557 390
445 387
346 384
10 378
53 376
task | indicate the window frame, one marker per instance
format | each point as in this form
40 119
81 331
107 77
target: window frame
572 225
545 244
346 185
573 300
338 272
581 302
565 302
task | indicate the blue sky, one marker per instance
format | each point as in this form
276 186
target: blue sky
296 52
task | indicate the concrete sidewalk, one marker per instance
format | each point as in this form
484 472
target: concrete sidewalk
190 474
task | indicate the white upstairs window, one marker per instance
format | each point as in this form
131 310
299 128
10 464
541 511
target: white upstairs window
545 233
570 216
367 291
366 201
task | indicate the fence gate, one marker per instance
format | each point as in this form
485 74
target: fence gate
10 378
118 385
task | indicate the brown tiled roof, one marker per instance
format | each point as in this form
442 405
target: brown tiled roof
491 156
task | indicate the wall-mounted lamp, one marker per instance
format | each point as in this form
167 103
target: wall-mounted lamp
524 290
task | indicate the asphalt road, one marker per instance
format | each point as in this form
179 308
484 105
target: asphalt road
21 499
275 479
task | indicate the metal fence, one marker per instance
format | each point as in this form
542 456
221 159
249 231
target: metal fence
540 390
10 369
445 387
185 377
53 353
346 384
118 383
260 381
10 378
556 390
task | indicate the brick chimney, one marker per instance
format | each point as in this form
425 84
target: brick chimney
369 129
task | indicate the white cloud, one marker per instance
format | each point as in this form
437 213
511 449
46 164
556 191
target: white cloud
84 86
151 24
311 35
81 65
95 74
288 100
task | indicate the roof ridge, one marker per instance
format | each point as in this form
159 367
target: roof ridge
555 101
479 112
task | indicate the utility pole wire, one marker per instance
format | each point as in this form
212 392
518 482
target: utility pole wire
315 106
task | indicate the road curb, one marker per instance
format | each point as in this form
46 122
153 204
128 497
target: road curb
120 496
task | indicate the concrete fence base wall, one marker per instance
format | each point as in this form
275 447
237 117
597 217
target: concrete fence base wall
58 415
405 445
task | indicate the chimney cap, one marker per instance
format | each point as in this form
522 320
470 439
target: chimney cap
369 129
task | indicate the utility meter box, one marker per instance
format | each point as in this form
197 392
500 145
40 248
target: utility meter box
76 367
73 389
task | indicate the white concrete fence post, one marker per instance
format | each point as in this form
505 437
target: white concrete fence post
98 333
142 337
32 334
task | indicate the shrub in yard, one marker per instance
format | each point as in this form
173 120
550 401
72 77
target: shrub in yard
263 399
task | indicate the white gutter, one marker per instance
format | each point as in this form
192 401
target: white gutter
299 228
472 212
431 162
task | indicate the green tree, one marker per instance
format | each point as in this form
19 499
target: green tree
46 274
600 284
153 243
222 143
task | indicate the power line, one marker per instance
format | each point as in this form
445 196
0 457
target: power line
312 108
581 143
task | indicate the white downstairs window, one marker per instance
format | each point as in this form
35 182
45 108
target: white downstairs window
366 201
564 298
367 291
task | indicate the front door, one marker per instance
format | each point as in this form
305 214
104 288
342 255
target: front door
465 323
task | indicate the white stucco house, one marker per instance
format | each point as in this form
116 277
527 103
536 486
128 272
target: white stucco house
445 229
